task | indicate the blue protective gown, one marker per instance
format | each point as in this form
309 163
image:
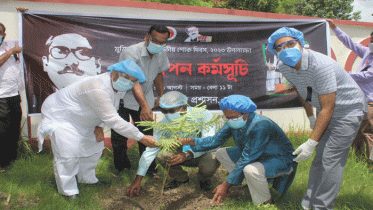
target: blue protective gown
260 140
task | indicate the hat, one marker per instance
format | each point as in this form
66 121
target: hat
238 103
282 32
173 99
129 67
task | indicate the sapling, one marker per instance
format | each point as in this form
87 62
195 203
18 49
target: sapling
189 124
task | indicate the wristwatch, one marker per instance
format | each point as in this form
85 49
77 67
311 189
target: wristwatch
188 155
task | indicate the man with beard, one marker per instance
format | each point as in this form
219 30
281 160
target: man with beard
10 101
70 59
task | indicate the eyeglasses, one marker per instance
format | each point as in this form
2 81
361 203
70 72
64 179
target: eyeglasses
81 53
288 44
125 75
170 111
155 41
232 118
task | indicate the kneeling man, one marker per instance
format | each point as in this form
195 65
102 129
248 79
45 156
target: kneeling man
174 104
262 154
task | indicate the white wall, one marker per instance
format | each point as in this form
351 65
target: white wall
286 118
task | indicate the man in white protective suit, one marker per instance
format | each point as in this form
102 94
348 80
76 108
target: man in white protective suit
73 118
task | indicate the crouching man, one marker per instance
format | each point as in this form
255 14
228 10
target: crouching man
262 153
173 104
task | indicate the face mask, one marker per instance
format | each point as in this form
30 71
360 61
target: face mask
122 84
154 48
290 56
172 116
236 124
1 39
371 47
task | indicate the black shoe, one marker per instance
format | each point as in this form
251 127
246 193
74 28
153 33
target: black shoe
174 184
205 185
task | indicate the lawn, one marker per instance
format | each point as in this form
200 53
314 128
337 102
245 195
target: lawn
29 184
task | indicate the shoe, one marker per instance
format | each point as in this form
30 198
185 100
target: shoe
205 185
71 197
174 184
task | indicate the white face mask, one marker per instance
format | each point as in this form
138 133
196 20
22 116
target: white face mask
370 47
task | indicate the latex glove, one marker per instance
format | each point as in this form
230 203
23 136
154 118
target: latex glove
305 150
312 120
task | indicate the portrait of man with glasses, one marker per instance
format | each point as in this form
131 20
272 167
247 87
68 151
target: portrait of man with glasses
70 59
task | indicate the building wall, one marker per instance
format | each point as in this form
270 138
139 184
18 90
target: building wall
288 119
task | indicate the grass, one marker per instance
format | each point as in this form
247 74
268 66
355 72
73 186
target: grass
29 184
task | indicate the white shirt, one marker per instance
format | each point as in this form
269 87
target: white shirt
70 115
11 80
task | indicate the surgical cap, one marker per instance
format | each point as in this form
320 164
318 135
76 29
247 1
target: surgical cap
238 103
173 99
282 32
129 67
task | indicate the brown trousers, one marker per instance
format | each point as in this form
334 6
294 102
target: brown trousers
363 142
207 165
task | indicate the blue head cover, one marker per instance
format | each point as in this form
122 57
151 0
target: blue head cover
282 32
129 67
173 99
238 103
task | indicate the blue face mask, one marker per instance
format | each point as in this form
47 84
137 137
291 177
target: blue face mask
237 123
1 39
154 48
172 116
290 56
123 84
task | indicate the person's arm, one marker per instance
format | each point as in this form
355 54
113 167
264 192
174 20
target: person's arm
159 85
327 103
146 113
100 101
363 76
4 57
135 186
359 49
305 150
208 143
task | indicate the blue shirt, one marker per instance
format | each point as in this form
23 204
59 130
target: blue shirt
150 153
260 140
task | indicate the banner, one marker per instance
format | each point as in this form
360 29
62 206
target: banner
209 60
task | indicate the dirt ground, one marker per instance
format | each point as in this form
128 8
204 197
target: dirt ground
186 197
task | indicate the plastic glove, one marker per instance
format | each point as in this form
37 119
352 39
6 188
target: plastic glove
305 150
312 120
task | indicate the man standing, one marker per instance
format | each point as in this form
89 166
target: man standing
138 103
10 101
321 82
364 78
174 104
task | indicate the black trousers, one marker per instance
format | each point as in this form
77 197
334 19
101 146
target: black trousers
10 124
119 142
